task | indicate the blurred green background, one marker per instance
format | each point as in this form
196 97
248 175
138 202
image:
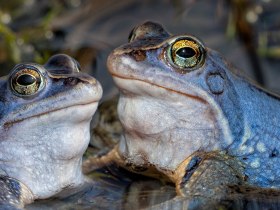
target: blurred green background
246 32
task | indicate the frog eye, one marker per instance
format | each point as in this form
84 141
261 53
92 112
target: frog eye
186 53
26 81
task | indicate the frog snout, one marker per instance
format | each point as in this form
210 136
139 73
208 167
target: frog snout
62 64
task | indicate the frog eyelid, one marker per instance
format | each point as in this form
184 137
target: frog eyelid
26 80
185 53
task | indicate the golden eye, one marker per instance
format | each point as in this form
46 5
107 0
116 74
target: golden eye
186 53
26 81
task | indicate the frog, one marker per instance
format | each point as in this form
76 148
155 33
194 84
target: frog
44 127
179 97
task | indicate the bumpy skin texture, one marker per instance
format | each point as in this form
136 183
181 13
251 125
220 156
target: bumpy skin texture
168 113
210 181
43 135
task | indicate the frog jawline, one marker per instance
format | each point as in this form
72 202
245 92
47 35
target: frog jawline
162 87
10 123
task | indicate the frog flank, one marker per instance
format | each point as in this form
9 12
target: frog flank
44 127
178 97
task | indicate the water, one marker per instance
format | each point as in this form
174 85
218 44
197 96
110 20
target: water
114 189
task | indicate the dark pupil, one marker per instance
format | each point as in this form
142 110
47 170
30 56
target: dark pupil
185 52
26 79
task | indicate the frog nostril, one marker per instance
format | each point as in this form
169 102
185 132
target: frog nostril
71 81
139 55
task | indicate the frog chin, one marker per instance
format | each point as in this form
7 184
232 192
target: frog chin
46 155
163 127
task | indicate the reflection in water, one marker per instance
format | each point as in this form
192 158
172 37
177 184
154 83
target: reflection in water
115 189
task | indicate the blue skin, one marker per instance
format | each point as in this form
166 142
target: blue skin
11 192
248 129
254 119
260 137
44 128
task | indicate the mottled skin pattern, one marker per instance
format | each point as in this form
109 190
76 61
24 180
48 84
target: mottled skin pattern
44 129
13 193
170 112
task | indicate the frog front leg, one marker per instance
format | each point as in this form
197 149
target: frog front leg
96 162
206 174
217 181
13 194
205 179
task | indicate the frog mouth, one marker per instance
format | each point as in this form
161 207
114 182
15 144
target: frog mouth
121 85
82 106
